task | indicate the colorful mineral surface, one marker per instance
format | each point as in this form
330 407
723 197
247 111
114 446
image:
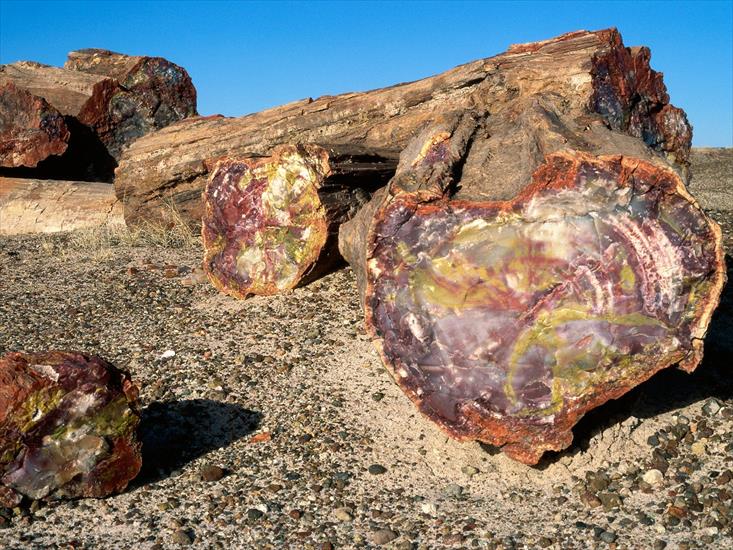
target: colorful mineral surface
30 129
264 225
506 321
68 426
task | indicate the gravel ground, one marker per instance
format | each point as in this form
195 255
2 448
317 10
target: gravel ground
275 426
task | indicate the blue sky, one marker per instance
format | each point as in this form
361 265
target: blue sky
246 56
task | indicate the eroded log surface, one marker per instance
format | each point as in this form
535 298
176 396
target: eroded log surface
68 427
590 72
30 129
43 206
271 221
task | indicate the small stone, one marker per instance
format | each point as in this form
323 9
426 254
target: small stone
699 448
382 536
653 477
181 537
453 490
544 542
660 544
211 472
343 514
253 514
377 469
470 471
724 478
167 354
608 536
590 500
378 396
711 407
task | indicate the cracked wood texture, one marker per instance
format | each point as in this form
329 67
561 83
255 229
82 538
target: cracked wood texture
505 313
68 427
43 206
30 129
271 223
591 72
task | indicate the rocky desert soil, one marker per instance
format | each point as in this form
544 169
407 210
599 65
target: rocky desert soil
270 422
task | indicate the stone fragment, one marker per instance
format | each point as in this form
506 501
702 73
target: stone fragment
653 477
68 426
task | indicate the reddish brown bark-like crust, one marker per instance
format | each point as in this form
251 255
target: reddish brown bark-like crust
67 426
30 129
588 72
462 334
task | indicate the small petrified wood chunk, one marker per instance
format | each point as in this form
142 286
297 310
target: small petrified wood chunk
68 426
30 129
505 321
271 221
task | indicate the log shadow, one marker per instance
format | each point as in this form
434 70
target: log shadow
174 433
670 389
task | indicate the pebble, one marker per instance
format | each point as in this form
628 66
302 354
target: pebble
343 514
699 448
211 472
181 537
711 407
382 536
453 490
470 471
253 514
653 477
377 469
608 536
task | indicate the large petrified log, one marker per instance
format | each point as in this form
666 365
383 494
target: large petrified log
591 71
43 206
269 222
68 426
30 129
506 307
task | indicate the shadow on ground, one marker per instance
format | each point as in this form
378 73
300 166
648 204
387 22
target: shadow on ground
670 389
174 433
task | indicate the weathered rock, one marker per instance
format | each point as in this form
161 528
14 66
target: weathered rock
42 206
30 129
271 222
67 426
118 97
506 320
164 173
154 93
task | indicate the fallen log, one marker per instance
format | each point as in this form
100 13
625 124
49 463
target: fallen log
506 305
591 71
42 206
30 129
272 222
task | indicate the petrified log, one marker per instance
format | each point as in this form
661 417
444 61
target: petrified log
270 222
30 129
591 71
505 312
119 97
68 426
154 93
42 206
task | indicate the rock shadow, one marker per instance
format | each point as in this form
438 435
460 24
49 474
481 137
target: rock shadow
670 389
174 433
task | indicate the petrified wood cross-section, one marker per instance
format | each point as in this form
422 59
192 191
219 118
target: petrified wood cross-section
271 221
68 427
506 321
